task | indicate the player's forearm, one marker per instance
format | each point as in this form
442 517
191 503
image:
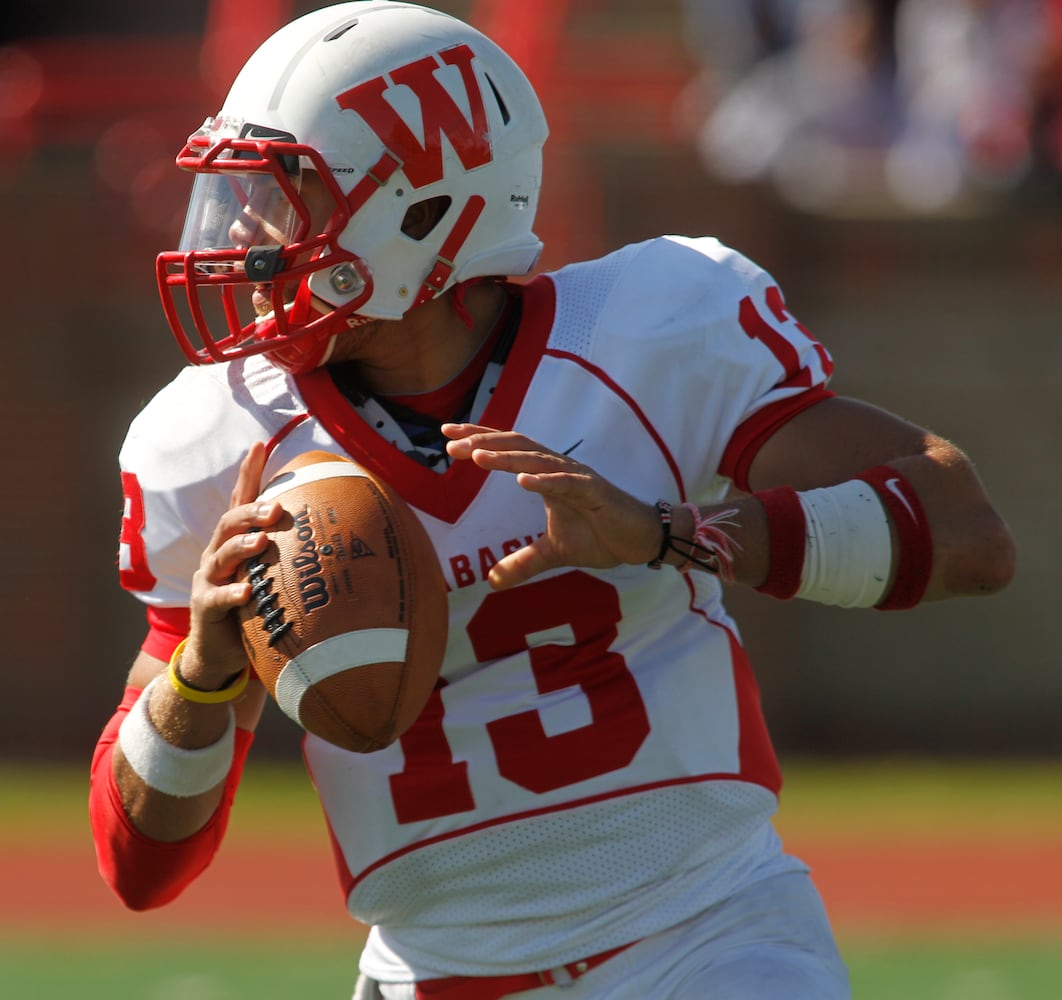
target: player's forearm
973 549
945 537
136 831
161 814
914 529
173 753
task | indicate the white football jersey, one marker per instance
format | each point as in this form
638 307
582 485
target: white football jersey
594 765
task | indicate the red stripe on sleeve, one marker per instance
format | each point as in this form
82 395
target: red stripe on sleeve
750 436
166 628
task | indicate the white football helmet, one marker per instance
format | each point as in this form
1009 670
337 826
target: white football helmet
335 127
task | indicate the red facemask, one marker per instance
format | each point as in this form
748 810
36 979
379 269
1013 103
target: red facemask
220 276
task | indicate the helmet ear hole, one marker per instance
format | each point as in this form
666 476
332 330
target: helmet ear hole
421 218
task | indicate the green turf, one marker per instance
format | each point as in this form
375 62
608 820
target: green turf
182 969
975 970
901 797
48 805
188 970
844 798
849 796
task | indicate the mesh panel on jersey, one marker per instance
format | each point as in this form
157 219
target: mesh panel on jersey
579 303
543 890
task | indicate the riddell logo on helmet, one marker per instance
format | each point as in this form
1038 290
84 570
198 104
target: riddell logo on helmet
423 164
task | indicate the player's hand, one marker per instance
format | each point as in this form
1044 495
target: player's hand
589 521
214 651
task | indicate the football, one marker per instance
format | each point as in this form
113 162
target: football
347 621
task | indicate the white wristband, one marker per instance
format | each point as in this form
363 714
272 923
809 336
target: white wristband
168 768
848 551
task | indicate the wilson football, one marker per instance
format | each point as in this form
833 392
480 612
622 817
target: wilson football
347 621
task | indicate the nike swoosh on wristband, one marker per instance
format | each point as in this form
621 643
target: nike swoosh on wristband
893 486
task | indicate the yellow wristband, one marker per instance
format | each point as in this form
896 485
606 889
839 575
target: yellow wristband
230 692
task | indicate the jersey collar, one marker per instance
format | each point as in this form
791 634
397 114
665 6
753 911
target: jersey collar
444 495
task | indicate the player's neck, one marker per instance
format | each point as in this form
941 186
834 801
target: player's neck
427 348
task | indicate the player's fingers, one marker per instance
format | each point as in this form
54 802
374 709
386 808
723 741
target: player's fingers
462 438
468 439
213 604
214 591
529 460
518 567
245 518
456 431
222 558
249 478
574 486
234 552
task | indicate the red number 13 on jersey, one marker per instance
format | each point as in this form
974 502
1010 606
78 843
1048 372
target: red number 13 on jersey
432 784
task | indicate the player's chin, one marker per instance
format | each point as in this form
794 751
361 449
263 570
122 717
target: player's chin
262 301
262 298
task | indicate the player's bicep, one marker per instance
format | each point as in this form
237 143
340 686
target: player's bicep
833 441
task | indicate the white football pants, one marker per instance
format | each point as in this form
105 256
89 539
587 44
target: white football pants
770 942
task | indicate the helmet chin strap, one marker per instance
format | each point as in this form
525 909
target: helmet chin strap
308 352
436 280
460 290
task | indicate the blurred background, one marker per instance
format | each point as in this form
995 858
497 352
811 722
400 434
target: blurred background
896 165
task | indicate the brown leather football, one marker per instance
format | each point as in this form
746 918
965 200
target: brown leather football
347 621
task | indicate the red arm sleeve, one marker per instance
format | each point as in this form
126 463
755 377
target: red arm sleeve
147 873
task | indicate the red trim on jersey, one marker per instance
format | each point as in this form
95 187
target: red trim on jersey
750 749
284 431
915 548
142 872
746 441
166 628
346 879
757 765
758 760
446 495
615 388
787 536
442 403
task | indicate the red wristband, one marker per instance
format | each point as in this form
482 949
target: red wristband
787 535
915 541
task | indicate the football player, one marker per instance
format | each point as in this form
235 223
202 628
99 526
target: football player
585 806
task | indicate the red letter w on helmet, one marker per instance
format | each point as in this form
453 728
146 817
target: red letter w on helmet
440 113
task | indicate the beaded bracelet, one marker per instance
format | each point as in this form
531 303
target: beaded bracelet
710 548
663 510
229 692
